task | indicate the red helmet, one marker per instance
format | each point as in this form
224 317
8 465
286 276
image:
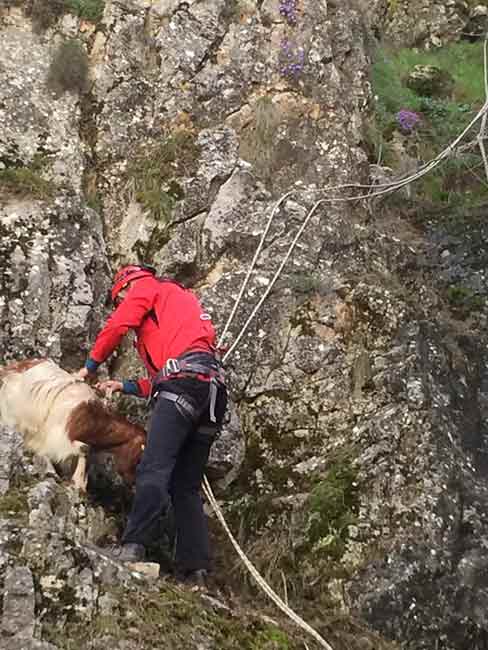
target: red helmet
128 273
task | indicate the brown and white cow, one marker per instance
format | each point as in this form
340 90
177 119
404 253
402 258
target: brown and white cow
61 416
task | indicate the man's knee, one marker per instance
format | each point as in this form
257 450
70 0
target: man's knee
154 478
183 491
150 467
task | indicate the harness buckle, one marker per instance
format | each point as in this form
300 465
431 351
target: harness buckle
172 366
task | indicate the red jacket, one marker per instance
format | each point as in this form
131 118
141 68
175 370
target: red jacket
167 320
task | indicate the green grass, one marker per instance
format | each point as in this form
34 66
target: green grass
271 638
169 618
14 502
442 119
464 61
26 181
88 9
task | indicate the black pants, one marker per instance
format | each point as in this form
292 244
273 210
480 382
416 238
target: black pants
172 467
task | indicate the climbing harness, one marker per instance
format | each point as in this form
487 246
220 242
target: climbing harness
199 363
191 364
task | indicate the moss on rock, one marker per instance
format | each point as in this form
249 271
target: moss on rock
14 503
172 614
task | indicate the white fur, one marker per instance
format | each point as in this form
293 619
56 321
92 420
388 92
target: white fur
38 403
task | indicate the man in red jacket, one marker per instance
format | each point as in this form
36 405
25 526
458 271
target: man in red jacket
175 339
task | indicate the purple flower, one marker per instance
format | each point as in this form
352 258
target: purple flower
292 59
407 120
289 10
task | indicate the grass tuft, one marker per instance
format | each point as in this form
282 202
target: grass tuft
26 181
464 300
258 142
155 173
14 502
69 68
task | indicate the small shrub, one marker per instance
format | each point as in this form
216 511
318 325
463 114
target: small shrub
88 9
333 507
464 300
155 175
69 68
45 13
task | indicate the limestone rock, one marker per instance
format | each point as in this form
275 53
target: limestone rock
18 603
148 569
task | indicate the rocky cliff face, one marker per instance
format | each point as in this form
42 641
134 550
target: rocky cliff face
165 132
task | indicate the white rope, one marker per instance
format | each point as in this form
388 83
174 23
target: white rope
256 575
384 188
252 265
273 281
387 188
481 134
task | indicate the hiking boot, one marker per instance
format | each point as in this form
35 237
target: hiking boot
197 579
128 553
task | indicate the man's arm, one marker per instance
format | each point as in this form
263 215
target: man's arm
129 314
137 387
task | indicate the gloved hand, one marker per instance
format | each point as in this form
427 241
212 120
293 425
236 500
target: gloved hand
109 386
83 374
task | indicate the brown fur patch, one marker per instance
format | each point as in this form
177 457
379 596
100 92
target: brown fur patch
19 366
98 426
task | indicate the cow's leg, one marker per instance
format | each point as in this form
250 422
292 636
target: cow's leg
80 476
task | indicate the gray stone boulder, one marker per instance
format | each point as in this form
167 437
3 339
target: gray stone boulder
430 81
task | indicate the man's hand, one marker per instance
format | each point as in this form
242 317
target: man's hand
84 373
110 386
